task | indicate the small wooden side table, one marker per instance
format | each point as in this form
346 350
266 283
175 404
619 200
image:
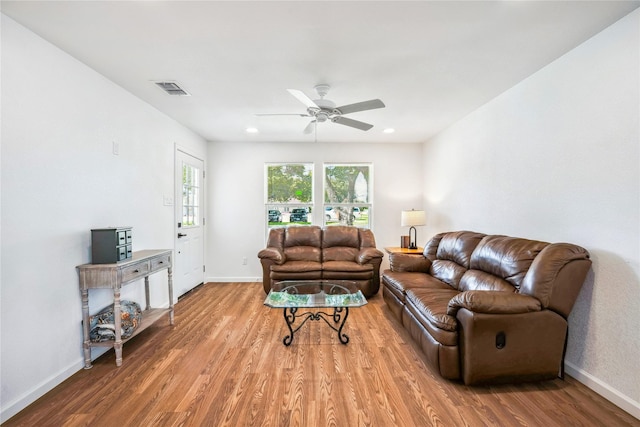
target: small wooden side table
398 250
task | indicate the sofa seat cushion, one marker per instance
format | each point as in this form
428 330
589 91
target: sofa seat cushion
299 270
347 266
433 304
399 281
426 306
346 270
297 267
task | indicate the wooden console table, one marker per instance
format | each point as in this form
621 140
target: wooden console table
114 276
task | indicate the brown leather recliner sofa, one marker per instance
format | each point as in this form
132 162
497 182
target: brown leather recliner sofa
487 308
312 252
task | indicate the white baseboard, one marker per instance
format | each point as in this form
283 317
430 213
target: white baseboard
612 395
18 404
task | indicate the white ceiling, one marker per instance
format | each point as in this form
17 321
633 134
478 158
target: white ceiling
431 62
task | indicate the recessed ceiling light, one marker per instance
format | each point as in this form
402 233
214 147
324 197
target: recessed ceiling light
251 130
389 130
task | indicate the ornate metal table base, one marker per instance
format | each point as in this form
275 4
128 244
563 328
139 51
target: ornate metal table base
339 317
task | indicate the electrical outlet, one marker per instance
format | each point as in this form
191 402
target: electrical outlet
244 260
167 200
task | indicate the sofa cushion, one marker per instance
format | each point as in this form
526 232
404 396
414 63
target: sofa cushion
347 266
340 253
297 266
399 281
303 236
303 253
508 258
447 271
340 243
476 280
433 304
340 235
458 246
450 254
429 308
406 262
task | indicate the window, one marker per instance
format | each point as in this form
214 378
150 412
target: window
289 194
347 194
190 195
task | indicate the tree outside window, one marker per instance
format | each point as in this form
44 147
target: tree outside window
347 194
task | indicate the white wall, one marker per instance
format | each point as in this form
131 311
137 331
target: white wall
59 180
236 222
557 158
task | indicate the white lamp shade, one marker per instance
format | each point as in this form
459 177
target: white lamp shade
412 218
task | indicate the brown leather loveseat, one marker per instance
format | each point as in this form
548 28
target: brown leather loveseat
312 252
488 308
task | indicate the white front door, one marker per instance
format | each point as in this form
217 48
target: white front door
189 227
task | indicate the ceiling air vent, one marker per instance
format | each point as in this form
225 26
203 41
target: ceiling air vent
172 88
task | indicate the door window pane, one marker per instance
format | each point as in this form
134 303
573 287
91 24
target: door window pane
190 195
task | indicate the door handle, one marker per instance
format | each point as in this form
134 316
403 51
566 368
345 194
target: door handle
181 235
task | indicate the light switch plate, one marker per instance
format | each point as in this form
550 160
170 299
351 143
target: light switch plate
168 200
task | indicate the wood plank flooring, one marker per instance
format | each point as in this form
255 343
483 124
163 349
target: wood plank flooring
224 364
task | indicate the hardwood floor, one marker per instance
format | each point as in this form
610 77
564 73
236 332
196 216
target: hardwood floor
224 364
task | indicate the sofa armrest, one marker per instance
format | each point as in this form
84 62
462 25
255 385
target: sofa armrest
409 263
273 254
367 254
493 302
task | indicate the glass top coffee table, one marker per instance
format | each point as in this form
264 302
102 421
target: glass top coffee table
315 295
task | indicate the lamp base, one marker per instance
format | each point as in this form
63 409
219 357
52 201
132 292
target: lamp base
412 243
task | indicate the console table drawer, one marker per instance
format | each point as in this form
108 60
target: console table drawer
135 271
160 263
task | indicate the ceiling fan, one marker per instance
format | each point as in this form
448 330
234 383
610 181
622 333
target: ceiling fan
322 110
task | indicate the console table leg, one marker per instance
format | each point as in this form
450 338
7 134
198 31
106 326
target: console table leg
117 345
146 292
85 329
170 281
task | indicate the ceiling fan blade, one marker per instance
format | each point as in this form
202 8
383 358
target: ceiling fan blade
282 114
303 98
352 123
310 127
361 106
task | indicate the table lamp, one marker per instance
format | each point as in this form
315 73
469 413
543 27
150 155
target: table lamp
411 219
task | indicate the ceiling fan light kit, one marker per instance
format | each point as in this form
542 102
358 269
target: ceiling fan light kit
322 110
